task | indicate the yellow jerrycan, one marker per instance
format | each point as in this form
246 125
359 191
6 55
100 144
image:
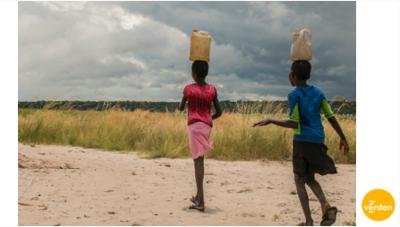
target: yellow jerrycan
200 44
301 45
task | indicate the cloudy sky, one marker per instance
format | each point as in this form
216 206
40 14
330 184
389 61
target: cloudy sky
139 50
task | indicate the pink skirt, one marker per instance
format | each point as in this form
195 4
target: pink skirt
199 139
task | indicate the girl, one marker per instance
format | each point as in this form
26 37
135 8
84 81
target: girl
200 95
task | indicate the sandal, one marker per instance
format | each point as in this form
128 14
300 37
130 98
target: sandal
197 207
194 200
304 224
329 216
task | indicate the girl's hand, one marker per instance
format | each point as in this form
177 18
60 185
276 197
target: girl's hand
344 146
262 123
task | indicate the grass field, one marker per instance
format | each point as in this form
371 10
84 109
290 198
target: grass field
165 134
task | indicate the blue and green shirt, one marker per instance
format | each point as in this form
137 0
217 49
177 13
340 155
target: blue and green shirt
305 104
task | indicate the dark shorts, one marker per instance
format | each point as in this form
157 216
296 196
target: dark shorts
310 158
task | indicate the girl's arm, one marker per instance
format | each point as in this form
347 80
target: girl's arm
344 146
218 111
182 104
285 124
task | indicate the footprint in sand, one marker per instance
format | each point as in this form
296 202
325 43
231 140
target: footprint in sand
281 204
42 207
251 215
24 204
286 211
165 164
245 190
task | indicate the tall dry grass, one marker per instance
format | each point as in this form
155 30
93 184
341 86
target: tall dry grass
165 134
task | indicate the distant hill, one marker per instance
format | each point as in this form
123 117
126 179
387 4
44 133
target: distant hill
339 107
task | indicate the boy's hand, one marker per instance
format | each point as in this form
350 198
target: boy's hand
262 123
344 146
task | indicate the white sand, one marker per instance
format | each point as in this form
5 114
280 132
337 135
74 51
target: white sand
61 185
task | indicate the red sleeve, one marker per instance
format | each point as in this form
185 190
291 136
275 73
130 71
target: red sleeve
186 91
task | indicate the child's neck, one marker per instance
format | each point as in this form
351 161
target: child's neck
200 82
301 83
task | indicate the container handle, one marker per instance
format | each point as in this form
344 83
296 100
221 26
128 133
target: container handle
303 34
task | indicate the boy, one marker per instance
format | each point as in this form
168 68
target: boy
309 152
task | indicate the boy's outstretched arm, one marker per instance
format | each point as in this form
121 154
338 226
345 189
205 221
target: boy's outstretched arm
344 146
293 121
218 111
182 104
285 123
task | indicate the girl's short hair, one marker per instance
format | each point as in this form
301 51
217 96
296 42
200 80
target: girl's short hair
301 69
200 68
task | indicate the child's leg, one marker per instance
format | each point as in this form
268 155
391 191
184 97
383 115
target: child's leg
303 196
317 190
199 173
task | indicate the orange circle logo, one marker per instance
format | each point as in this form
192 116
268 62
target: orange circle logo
378 205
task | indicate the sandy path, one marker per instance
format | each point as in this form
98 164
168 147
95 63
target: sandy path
74 186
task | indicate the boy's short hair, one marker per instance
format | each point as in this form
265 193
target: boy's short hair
200 68
301 69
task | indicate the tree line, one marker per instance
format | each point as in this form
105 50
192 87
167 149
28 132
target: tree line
339 107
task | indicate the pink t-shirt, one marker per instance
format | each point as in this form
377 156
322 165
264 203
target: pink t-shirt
200 98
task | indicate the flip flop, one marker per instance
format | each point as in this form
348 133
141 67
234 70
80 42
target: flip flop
197 207
303 224
329 217
194 200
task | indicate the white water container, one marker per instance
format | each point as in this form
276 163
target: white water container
200 44
301 45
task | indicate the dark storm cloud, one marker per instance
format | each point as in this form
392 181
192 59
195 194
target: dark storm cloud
139 50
